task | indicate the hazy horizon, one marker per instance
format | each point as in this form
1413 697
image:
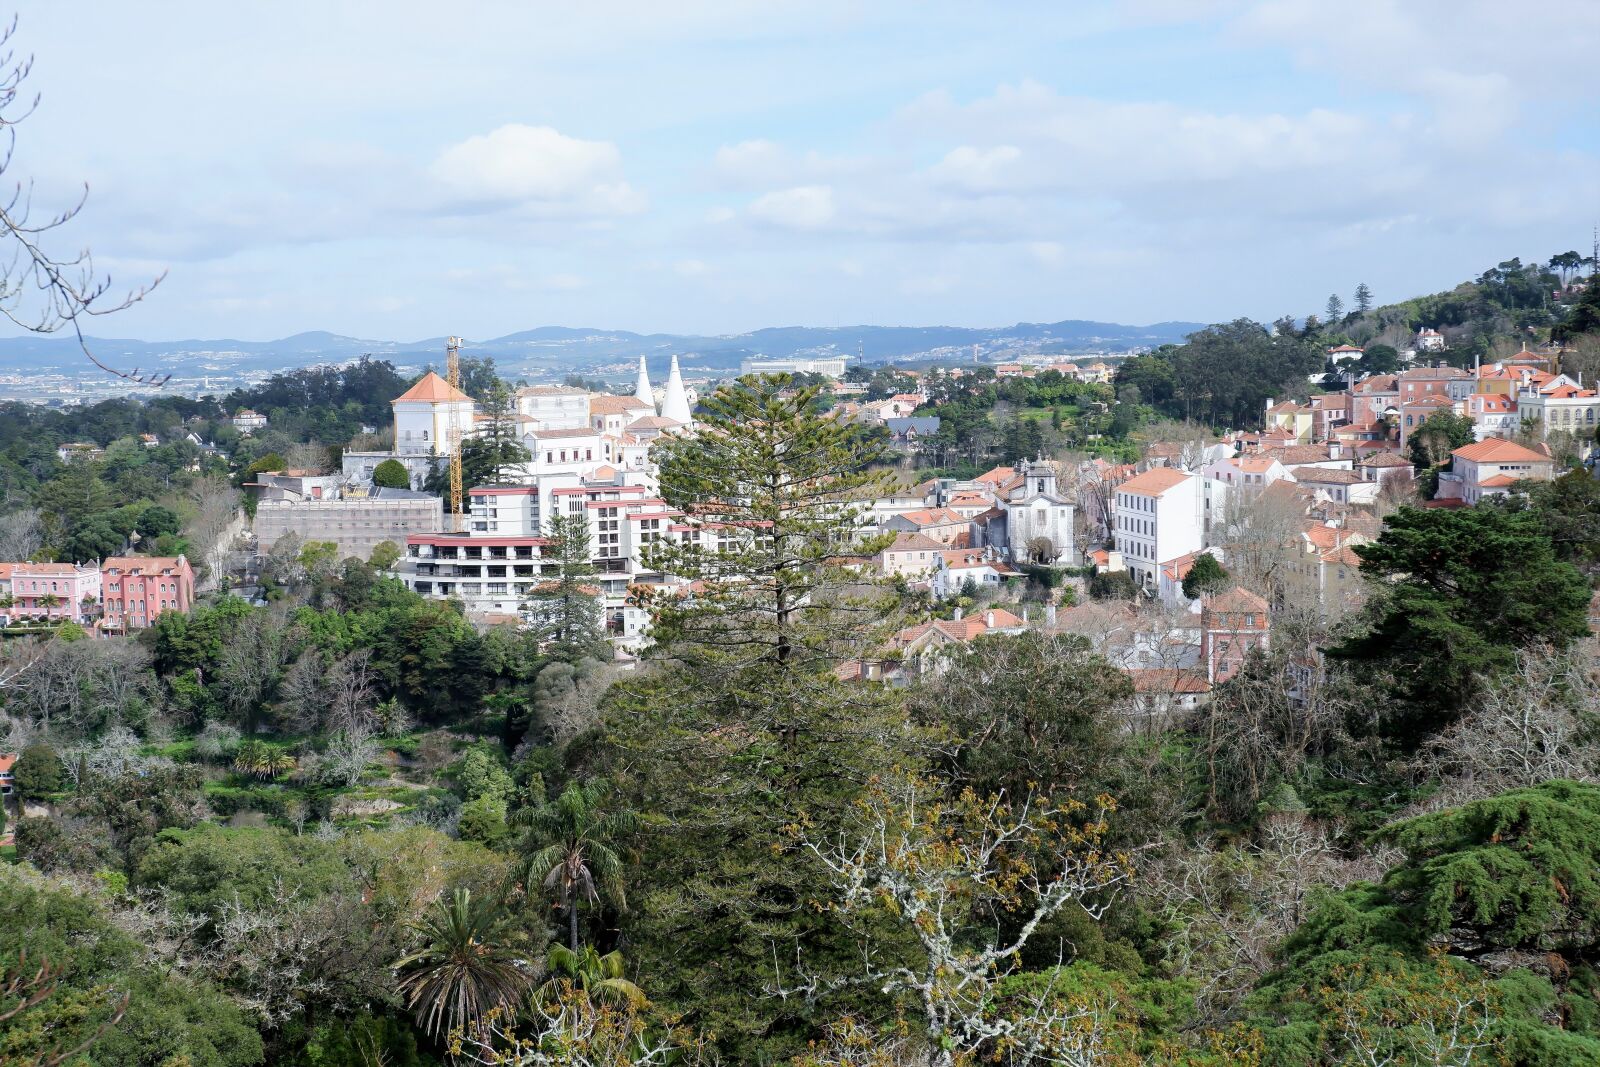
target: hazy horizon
382 171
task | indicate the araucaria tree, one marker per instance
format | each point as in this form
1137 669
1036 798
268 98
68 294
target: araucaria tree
564 612
774 498
744 722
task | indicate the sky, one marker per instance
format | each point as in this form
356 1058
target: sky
399 170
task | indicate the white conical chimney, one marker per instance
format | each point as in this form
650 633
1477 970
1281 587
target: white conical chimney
642 391
675 405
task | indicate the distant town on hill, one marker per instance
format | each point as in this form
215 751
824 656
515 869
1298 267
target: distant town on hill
553 350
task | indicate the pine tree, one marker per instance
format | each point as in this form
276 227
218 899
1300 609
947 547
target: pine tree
1363 298
1335 309
745 726
774 498
564 613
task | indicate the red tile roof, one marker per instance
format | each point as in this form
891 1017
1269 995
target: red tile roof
1499 450
430 388
1153 482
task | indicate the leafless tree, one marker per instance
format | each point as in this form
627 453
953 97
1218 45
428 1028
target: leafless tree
40 291
308 456
1183 442
21 535
251 664
346 756
568 697
216 503
301 693
351 688
941 864
1229 907
1259 728
1526 726
1262 539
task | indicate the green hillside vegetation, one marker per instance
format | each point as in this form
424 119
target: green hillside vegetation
347 827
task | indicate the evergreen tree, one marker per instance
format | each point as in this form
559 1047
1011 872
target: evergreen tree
1335 309
564 613
502 448
1205 576
1447 610
391 474
1363 298
745 727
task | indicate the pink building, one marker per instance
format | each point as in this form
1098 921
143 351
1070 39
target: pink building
139 588
55 591
1232 624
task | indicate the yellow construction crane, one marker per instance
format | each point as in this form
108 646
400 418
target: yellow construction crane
452 351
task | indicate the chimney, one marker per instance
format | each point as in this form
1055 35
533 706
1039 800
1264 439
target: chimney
1269 404
988 619
1050 616
958 614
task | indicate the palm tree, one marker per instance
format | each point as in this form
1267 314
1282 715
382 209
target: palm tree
599 977
262 760
575 857
465 969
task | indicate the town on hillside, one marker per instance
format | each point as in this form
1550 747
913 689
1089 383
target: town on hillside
791 625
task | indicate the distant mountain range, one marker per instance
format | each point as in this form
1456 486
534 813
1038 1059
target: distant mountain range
558 349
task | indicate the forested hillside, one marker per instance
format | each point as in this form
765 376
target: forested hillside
346 827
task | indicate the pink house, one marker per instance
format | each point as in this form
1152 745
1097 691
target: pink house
139 588
1232 624
56 591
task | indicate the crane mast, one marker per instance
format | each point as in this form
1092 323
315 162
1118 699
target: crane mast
452 350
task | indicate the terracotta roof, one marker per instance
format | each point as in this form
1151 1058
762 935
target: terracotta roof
1153 482
137 564
1292 455
1385 459
1344 555
1499 481
934 517
552 435
7 761
1237 599
915 542
431 389
1327 475
602 404
1167 680
996 475
1499 450
659 422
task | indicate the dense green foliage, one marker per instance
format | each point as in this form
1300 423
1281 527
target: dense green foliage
1447 610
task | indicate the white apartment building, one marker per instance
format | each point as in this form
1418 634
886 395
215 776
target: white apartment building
831 366
1159 515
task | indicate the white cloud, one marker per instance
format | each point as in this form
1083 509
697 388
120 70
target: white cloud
978 168
537 167
690 268
804 207
1047 253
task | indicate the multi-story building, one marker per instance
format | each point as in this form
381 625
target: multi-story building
357 519
1158 515
1232 625
1039 523
245 420
828 366
140 589
489 575
911 555
1559 403
54 592
1490 468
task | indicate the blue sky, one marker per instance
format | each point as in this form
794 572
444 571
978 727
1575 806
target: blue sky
386 170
